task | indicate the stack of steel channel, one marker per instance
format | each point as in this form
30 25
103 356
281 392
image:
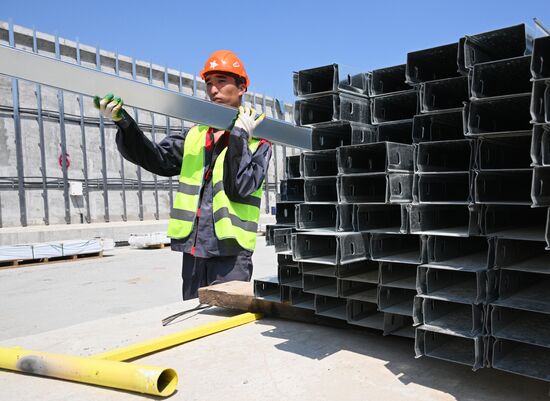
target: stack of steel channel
448 190
334 103
482 185
519 316
376 178
291 194
448 309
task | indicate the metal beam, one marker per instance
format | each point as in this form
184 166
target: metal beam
70 77
63 142
83 145
121 171
102 148
18 142
41 144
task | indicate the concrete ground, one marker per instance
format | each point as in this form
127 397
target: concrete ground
91 306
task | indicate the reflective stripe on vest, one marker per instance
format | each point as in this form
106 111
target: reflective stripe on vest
186 201
238 220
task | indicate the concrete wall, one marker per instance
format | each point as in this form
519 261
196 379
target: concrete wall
83 143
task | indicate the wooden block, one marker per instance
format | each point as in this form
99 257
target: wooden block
239 295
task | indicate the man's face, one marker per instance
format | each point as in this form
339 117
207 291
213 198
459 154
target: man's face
222 88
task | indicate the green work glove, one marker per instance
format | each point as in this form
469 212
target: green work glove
110 106
247 120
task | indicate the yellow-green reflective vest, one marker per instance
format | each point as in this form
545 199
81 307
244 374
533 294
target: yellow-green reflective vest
238 220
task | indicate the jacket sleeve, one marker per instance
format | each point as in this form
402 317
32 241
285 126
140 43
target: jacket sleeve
163 158
244 171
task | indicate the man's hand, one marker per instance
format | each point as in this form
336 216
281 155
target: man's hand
110 106
247 120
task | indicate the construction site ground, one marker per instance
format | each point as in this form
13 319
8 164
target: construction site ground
90 306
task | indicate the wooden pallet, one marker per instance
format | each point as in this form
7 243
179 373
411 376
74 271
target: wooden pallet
9 264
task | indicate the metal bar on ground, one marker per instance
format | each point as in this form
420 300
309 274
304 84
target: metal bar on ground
158 344
143 379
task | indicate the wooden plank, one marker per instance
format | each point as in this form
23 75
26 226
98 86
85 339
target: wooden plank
239 295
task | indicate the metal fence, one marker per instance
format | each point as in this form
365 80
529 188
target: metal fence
58 159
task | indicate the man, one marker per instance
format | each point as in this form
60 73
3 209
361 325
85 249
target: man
217 207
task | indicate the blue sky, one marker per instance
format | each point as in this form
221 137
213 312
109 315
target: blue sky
272 38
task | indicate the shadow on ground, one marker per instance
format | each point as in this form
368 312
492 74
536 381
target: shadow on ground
318 342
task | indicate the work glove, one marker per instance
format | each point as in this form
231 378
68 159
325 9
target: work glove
110 106
247 120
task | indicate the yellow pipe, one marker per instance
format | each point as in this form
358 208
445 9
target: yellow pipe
161 343
126 376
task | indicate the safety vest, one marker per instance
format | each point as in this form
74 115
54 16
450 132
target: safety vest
238 220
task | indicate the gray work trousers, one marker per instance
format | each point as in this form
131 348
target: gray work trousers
201 272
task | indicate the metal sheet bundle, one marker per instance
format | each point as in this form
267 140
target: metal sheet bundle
445 184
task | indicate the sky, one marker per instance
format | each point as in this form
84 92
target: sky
273 38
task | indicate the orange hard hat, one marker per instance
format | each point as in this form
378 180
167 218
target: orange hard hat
225 61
